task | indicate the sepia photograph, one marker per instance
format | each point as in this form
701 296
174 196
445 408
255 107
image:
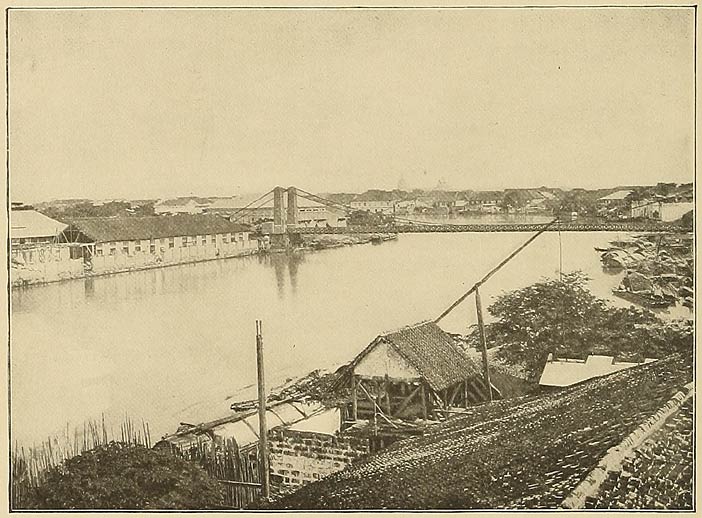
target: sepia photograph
326 258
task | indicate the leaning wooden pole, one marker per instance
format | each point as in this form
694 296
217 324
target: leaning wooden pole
483 342
262 426
494 270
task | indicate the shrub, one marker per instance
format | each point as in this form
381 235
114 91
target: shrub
121 476
564 318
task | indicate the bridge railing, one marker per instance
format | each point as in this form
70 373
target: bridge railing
494 227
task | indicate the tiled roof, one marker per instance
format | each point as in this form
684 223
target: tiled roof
432 351
529 452
658 475
485 196
153 227
617 195
377 195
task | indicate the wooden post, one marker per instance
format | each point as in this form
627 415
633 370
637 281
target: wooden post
354 398
483 342
388 404
262 427
424 400
465 394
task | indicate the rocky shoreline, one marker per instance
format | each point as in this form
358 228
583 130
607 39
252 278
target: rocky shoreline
659 269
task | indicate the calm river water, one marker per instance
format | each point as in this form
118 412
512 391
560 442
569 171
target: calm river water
177 344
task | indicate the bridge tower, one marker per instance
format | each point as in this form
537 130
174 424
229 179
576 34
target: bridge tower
279 238
292 207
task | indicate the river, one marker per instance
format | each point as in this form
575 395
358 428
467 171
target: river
177 344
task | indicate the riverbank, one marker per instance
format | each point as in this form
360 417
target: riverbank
68 270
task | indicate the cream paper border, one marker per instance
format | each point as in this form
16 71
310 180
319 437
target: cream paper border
412 4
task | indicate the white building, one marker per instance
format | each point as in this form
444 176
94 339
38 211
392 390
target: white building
563 372
185 205
30 226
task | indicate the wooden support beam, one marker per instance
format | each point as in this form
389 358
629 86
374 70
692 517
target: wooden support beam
425 411
465 393
408 399
354 397
386 388
483 343
478 390
263 428
454 394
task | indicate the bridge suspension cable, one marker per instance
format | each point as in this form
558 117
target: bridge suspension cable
249 206
494 270
233 219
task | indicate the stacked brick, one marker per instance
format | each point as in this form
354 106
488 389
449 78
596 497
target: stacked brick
658 475
298 457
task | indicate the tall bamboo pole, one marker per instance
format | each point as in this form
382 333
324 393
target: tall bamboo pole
262 426
483 341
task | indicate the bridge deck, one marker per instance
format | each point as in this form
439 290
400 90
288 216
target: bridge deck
501 227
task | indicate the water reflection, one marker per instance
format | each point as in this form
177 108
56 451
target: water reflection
171 344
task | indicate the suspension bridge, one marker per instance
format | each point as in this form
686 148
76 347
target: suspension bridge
286 221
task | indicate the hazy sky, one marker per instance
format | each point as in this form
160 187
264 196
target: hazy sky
128 103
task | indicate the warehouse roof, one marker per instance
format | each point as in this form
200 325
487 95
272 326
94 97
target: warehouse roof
151 227
529 452
30 224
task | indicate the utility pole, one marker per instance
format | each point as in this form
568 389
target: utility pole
262 426
483 341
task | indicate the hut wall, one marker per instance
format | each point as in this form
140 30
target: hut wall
299 457
383 361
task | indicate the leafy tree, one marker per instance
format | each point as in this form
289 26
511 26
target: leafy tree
564 318
120 476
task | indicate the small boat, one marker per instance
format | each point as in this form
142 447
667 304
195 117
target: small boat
376 240
647 299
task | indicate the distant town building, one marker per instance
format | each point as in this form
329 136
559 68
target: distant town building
484 201
563 372
665 211
30 226
376 201
615 198
184 205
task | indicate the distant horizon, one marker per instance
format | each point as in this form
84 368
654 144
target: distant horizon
409 189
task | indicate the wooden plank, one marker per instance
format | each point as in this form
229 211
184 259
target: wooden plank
407 400
454 394
483 343
354 397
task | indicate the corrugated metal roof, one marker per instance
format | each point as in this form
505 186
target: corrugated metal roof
565 372
30 224
244 428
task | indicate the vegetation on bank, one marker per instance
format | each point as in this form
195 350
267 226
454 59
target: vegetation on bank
561 316
126 476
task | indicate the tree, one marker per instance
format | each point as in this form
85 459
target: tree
564 318
120 476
